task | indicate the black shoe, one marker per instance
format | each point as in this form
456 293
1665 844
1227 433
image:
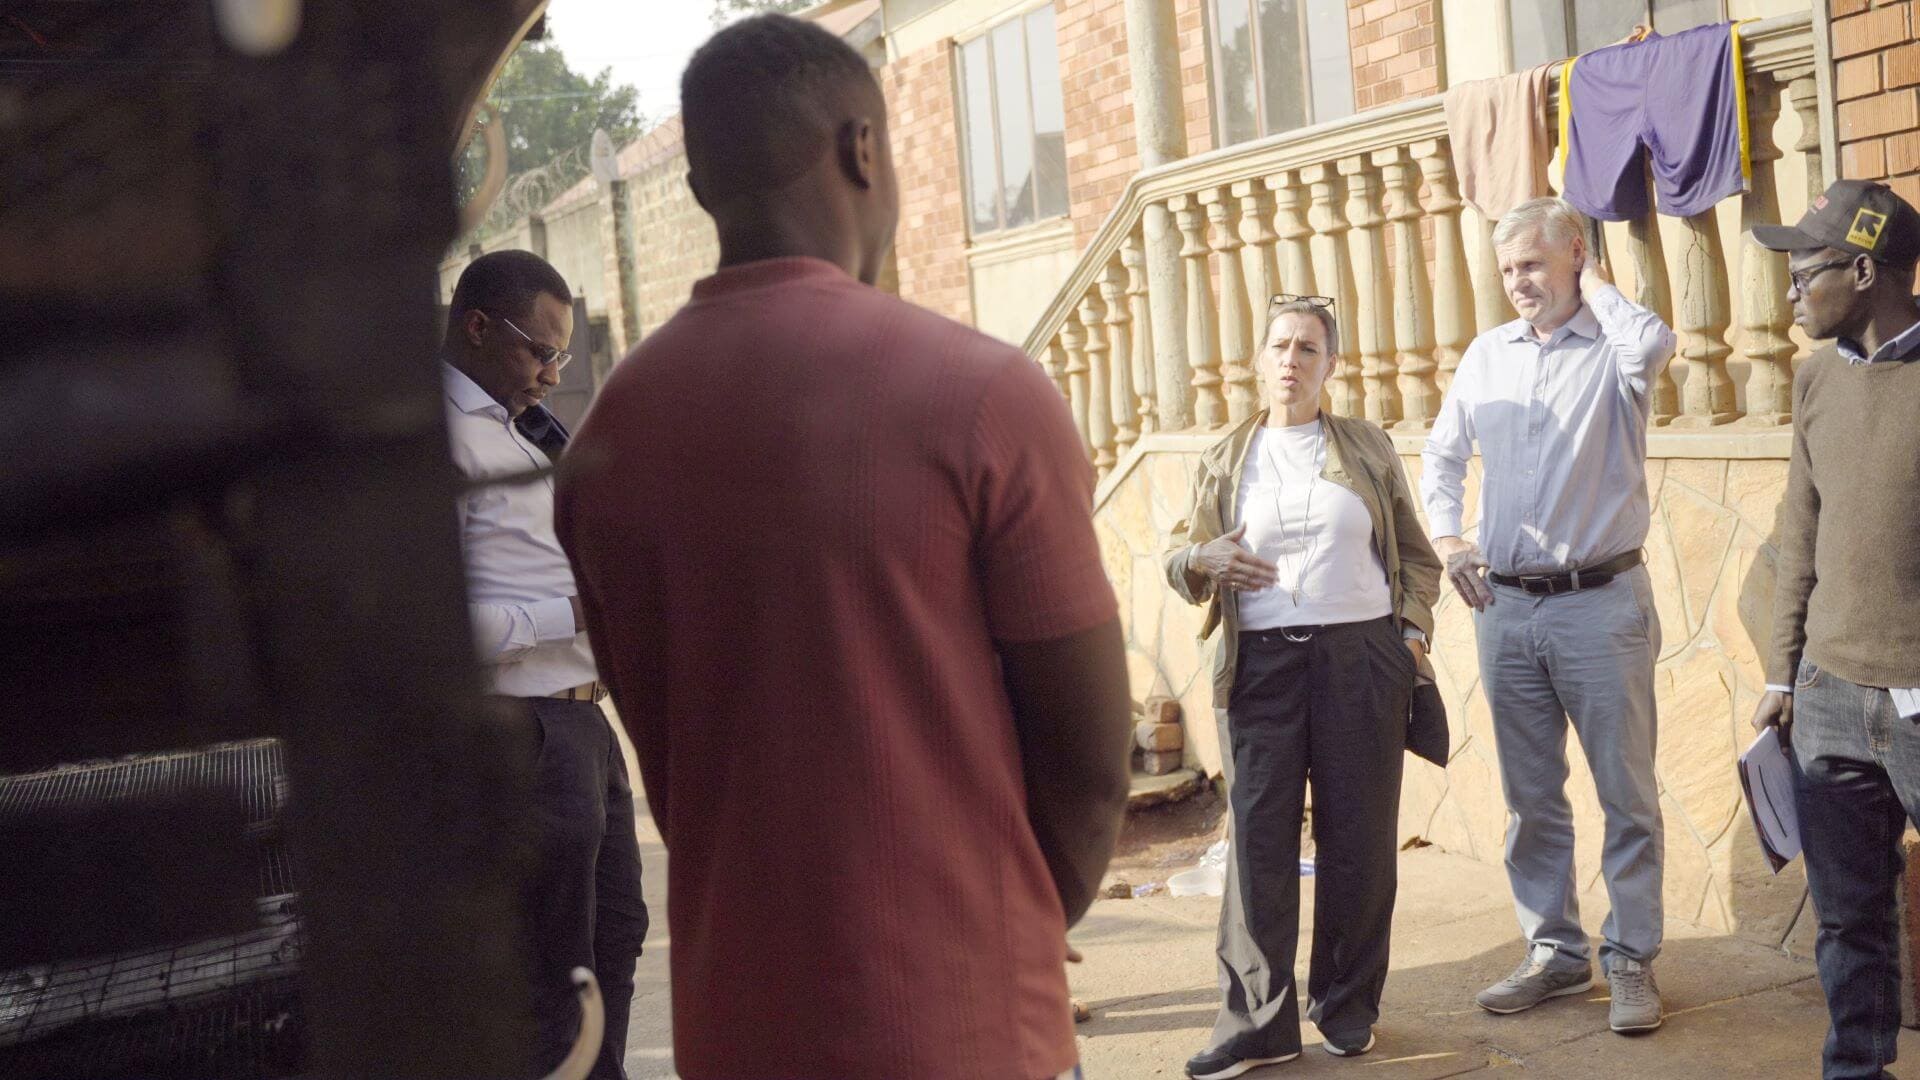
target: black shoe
1220 1065
1350 1046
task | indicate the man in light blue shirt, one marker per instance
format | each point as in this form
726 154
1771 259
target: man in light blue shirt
1558 402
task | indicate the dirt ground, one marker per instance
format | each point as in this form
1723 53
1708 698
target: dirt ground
1160 841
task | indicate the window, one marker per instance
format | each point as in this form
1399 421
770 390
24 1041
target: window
1279 65
1013 125
1546 30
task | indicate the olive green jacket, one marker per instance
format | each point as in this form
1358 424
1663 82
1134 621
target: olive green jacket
1360 458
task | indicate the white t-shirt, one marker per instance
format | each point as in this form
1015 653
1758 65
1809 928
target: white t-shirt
1325 550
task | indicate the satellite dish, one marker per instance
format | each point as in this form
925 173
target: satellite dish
257 27
606 167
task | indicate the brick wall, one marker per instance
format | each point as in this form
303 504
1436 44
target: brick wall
1877 87
1197 97
930 247
674 244
1096 79
1396 50
1096 73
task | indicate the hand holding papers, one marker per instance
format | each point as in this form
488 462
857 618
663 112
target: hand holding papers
1767 777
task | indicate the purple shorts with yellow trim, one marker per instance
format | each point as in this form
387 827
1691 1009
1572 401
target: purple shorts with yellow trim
1676 103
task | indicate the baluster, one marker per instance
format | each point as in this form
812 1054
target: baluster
1491 307
1262 261
1452 291
1375 317
1290 222
1235 320
1166 288
1704 313
1805 93
1651 291
1134 257
1073 340
1334 271
1099 404
1764 311
1113 292
1203 348
1055 365
1412 299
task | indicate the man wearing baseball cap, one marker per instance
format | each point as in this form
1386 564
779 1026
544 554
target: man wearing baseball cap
1843 670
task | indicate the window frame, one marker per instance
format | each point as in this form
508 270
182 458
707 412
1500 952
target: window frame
1216 80
963 119
1568 19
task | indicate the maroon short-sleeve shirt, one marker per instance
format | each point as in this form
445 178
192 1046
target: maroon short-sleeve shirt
801 514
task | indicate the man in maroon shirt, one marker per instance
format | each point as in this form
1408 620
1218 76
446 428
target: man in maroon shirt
837 566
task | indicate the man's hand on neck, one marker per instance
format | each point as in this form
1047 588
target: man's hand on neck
1592 278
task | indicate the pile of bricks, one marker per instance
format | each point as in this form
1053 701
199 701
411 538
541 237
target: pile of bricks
1157 740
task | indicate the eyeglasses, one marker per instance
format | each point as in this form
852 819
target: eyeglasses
546 354
1804 276
1280 300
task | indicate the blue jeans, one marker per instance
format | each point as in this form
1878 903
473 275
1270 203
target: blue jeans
1856 783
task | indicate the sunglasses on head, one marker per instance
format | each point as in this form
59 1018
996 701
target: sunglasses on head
1280 300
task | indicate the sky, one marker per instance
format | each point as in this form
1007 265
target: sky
645 42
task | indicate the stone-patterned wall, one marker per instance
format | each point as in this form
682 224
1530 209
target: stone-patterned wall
1165 658
1711 560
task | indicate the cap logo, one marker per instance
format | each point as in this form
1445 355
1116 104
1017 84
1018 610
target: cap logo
1866 229
1820 202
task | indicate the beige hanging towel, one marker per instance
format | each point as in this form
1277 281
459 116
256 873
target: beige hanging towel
1498 128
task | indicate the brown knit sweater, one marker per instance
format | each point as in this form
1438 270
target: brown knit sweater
1848 593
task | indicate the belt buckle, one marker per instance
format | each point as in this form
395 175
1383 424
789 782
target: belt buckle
1538 584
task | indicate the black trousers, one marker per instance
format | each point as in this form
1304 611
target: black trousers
582 906
1329 712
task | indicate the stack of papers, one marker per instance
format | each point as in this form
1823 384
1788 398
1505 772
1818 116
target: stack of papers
1767 777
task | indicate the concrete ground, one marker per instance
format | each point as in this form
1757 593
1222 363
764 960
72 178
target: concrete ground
650 1030
1735 1007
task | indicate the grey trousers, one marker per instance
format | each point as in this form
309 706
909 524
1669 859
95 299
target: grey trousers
1588 656
1328 713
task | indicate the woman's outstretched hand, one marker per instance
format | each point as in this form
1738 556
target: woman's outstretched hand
1229 566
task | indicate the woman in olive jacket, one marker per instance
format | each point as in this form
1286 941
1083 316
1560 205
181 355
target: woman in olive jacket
1304 546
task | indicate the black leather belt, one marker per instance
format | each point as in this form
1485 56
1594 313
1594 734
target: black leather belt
1305 632
1589 577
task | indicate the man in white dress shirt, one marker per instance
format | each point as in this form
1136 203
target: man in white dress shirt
1558 401
509 323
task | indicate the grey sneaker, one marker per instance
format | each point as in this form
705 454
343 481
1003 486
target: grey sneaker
1530 984
1636 998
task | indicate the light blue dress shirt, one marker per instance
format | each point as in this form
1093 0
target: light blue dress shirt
1561 425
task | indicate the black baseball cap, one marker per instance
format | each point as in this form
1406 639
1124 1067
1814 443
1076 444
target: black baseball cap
1855 216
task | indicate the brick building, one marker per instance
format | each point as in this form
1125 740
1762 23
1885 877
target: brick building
1240 71
1118 184
1877 85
